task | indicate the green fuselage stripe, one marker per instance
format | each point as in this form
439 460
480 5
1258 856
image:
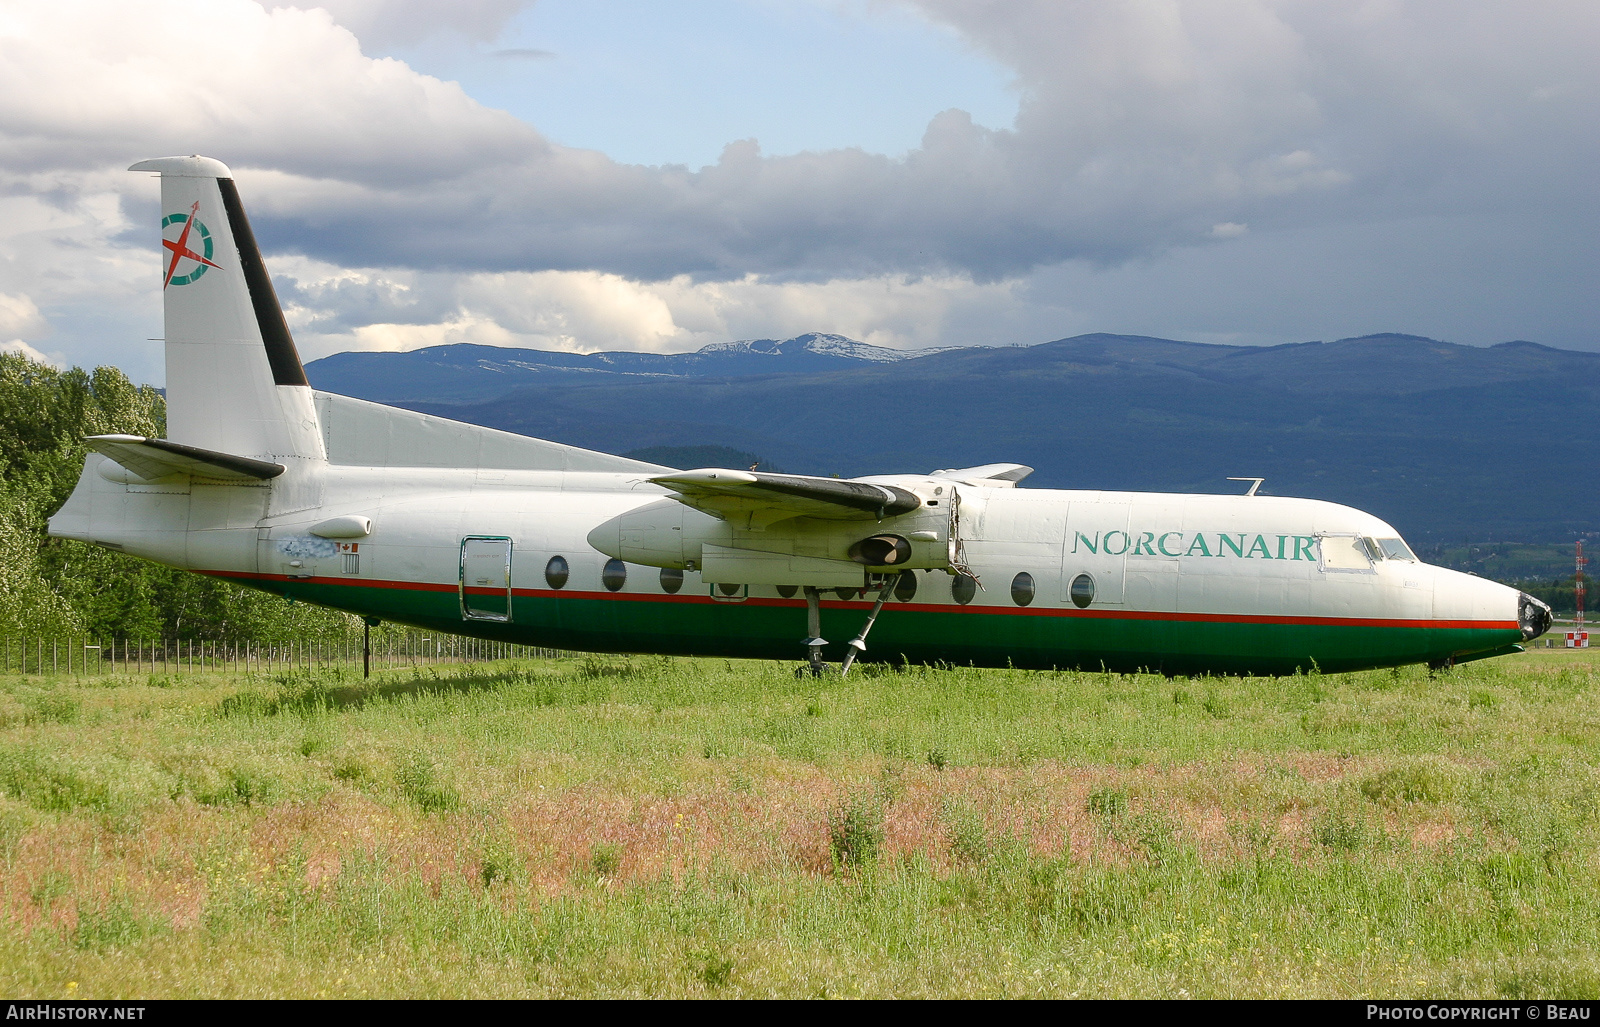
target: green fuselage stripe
696 625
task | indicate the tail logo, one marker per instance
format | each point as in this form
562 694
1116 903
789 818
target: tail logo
181 250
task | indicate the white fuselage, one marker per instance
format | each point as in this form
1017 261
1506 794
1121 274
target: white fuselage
1183 583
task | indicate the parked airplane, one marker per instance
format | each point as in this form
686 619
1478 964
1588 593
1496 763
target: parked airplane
400 516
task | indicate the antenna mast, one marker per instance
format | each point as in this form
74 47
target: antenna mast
1577 588
1578 637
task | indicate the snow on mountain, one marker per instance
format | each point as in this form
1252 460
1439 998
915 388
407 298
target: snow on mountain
465 371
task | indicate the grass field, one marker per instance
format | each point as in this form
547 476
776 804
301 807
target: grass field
649 827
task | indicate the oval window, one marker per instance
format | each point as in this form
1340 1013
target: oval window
846 593
615 575
1022 588
556 572
729 590
905 589
671 580
1082 591
963 589
788 591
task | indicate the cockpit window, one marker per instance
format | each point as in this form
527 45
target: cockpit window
1371 546
1396 549
1345 553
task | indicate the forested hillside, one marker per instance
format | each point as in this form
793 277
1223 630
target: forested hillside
1451 444
55 588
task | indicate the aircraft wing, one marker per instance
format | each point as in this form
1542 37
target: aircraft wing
158 458
773 497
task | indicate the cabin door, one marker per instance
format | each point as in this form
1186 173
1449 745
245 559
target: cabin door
1094 557
485 578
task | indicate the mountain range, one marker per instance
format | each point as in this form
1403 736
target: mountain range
1445 441
468 373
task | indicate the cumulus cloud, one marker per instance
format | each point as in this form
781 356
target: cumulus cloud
83 86
333 309
400 22
18 316
18 346
1143 124
1147 130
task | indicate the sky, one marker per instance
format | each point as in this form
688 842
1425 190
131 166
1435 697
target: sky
618 174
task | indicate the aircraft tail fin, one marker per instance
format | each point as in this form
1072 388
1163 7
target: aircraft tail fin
234 379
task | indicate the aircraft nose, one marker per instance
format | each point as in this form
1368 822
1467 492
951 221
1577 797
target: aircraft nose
1532 616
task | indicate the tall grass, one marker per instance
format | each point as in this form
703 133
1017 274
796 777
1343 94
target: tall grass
633 826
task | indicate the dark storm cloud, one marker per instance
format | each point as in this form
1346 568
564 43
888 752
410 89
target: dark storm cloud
1145 128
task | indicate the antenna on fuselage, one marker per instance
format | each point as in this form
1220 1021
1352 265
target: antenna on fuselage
1253 488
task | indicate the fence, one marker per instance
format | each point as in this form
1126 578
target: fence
185 656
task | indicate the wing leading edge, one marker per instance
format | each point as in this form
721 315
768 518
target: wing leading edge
770 497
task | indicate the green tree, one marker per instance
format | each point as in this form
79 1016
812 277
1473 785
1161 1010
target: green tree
59 587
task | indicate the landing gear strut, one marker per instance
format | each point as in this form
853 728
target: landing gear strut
813 640
858 645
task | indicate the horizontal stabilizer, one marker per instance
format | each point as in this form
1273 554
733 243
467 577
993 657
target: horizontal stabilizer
997 476
157 458
772 497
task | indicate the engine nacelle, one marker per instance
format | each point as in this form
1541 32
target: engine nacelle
667 533
882 551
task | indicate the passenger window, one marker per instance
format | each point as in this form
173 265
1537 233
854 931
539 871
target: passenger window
556 572
1022 588
1082 591
671 580
905 589
1344 553
614 575
963 588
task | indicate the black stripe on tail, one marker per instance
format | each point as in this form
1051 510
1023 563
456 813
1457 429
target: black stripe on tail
281 354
